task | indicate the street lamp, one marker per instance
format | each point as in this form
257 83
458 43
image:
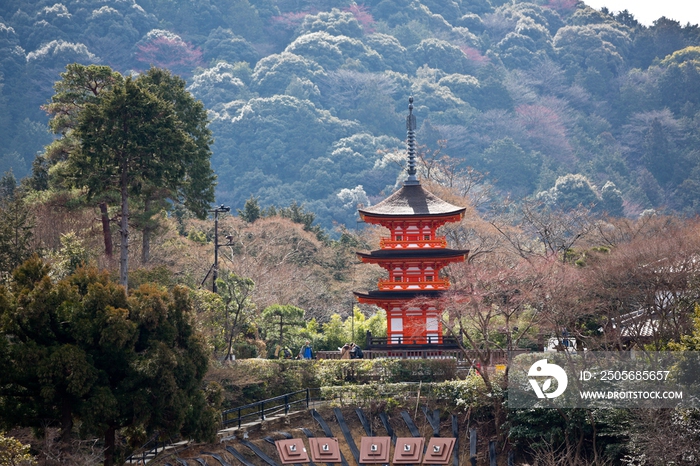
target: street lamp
216 211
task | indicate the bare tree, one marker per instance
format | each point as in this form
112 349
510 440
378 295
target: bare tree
534 229
488 309
647 287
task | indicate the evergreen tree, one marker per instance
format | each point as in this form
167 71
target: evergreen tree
130 139
81 350
277 317
251 210
297 214
196 189
235 292
611 200
189 180
659 157
16 233
8 185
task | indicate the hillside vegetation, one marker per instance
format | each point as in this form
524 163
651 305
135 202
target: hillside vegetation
307 98
564 131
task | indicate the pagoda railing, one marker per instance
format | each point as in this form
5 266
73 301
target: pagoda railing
387 285
399 342
465 357
388 243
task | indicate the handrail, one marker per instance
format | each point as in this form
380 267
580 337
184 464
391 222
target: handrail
446 341
425 352
146 451
260 409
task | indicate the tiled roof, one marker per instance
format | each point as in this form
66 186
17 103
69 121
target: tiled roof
414 253
413 200
385 295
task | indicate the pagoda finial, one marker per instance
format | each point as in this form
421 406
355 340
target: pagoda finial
411 142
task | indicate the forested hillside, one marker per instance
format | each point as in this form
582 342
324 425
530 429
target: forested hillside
307 98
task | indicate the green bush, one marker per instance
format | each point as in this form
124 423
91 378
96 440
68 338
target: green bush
250 380
453 394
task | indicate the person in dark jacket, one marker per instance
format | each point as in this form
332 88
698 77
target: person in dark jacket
355 351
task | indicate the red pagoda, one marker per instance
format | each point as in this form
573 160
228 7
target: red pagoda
413 255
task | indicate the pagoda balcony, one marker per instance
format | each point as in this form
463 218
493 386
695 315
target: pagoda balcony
388 243
388 285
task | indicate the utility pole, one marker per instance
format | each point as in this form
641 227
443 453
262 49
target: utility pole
215 274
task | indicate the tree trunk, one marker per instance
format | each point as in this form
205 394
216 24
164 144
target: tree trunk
106 230
146 246
109 446
229 352
281 325
124 233
66 421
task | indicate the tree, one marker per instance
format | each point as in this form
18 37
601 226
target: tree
489 308
251 210
611 201
512 167
442 55
647 284
130 140
335 22
221 83
16 232
79 85
196 188
13 453
235 291
571 192
331 51
82 86
543 231
80 349
659 156
279 316
167 50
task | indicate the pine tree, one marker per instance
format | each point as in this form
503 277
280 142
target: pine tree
251 210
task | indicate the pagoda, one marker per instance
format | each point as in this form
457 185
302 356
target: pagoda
413 255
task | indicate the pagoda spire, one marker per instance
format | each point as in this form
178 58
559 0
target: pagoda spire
411 143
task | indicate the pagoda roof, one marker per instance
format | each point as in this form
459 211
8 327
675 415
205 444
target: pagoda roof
412 200
414 253
397 295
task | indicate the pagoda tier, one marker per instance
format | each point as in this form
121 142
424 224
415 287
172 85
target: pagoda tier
414 269
407 323
413 255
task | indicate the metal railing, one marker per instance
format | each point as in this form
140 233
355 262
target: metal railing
444 342
462 356
148 451
260 410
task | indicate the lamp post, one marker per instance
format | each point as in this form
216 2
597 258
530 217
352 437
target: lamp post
215 274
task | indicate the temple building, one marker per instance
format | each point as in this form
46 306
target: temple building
413 255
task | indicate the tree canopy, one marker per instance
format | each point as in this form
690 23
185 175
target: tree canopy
567 82
144 140
80 350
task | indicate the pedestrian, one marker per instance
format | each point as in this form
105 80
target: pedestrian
345 351
355 351
306 352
